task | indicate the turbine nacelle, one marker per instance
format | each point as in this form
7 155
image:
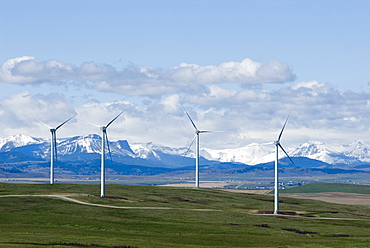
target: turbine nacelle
199 131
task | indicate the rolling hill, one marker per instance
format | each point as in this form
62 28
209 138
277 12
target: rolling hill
43 215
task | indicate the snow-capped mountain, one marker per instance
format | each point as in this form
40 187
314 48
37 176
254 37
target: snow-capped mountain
8 143
322 152
88 147
152 151
91 144
251 154
359 150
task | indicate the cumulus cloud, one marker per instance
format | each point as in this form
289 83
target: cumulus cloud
7 76
18 113
319 112
162 122
144 81
29 70
25 106
274 71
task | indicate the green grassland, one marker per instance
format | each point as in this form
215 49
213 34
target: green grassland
329 187
227 219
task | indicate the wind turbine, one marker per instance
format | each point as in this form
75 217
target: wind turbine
277 145
196 137
103 141
53 146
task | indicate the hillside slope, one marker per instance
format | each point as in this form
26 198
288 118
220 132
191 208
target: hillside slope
170 217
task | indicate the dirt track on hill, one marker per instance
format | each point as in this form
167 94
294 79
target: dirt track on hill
68 197
333 197
350 197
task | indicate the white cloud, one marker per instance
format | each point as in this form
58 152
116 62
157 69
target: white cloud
20 110
29 70
144 81
319 112
170 104
7 76
274 71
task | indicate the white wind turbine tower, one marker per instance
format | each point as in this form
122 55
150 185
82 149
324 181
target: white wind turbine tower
53 146
103 141
196 137
277 145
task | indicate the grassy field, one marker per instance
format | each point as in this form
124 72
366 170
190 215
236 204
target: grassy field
227 219
329 187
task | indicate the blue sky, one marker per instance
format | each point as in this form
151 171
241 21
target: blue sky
238 66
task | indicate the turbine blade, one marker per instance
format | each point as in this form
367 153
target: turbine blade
192 122
107 140
114 118
43 123
265 144
191 143
286 154
89 122
206 132
64 122
282 130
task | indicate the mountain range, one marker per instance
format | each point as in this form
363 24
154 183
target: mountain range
355 153
144 158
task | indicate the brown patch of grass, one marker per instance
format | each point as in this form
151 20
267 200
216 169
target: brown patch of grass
280 212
